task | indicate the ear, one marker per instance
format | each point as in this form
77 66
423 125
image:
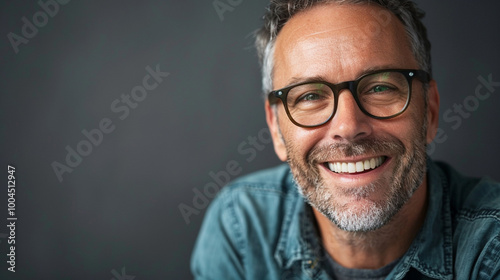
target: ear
272 122
432 111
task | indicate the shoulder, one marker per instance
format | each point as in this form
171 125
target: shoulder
263 190
258 195
273 180
475 210
273 183
243 224
470 197
256 204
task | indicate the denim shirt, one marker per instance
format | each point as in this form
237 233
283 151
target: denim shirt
260 227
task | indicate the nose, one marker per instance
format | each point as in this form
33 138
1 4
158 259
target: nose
349 122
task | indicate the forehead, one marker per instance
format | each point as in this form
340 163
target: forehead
339 43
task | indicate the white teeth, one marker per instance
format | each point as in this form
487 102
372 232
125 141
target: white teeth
366 165
332 167
360 166
344 167
351 166
354 167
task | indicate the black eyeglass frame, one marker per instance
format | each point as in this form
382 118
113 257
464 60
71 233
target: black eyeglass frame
282 94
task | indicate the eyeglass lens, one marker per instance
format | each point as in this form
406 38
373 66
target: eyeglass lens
380 94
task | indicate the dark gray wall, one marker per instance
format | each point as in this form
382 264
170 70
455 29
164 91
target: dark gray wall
119 207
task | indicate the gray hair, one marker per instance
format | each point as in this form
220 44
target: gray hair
280 11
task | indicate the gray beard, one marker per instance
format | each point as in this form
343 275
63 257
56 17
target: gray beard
397 188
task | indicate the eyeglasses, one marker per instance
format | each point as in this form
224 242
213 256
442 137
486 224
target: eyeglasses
381 94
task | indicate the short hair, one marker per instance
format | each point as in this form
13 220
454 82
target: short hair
280 11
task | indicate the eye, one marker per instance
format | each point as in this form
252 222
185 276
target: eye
379 88
310 97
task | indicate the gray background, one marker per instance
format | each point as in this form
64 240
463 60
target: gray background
119 207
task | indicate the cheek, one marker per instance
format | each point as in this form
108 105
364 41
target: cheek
417 122
408 127
299 141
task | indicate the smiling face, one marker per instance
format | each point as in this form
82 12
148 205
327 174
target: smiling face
356 170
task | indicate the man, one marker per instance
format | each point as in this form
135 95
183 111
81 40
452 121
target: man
351 105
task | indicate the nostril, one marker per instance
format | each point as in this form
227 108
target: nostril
349 125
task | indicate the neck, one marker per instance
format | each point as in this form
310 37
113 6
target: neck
375 249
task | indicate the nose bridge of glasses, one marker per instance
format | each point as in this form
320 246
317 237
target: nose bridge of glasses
348 119
351 86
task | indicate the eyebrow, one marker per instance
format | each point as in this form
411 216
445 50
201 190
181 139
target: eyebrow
298 80
318 78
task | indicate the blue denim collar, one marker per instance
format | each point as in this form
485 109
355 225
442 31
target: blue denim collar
298 240
431 253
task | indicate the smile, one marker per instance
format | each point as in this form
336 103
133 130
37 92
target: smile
356 167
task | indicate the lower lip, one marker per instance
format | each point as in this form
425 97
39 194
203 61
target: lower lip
362 177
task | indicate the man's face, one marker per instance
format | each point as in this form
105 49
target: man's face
337 44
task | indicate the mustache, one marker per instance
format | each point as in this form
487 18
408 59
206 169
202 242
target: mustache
366 146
